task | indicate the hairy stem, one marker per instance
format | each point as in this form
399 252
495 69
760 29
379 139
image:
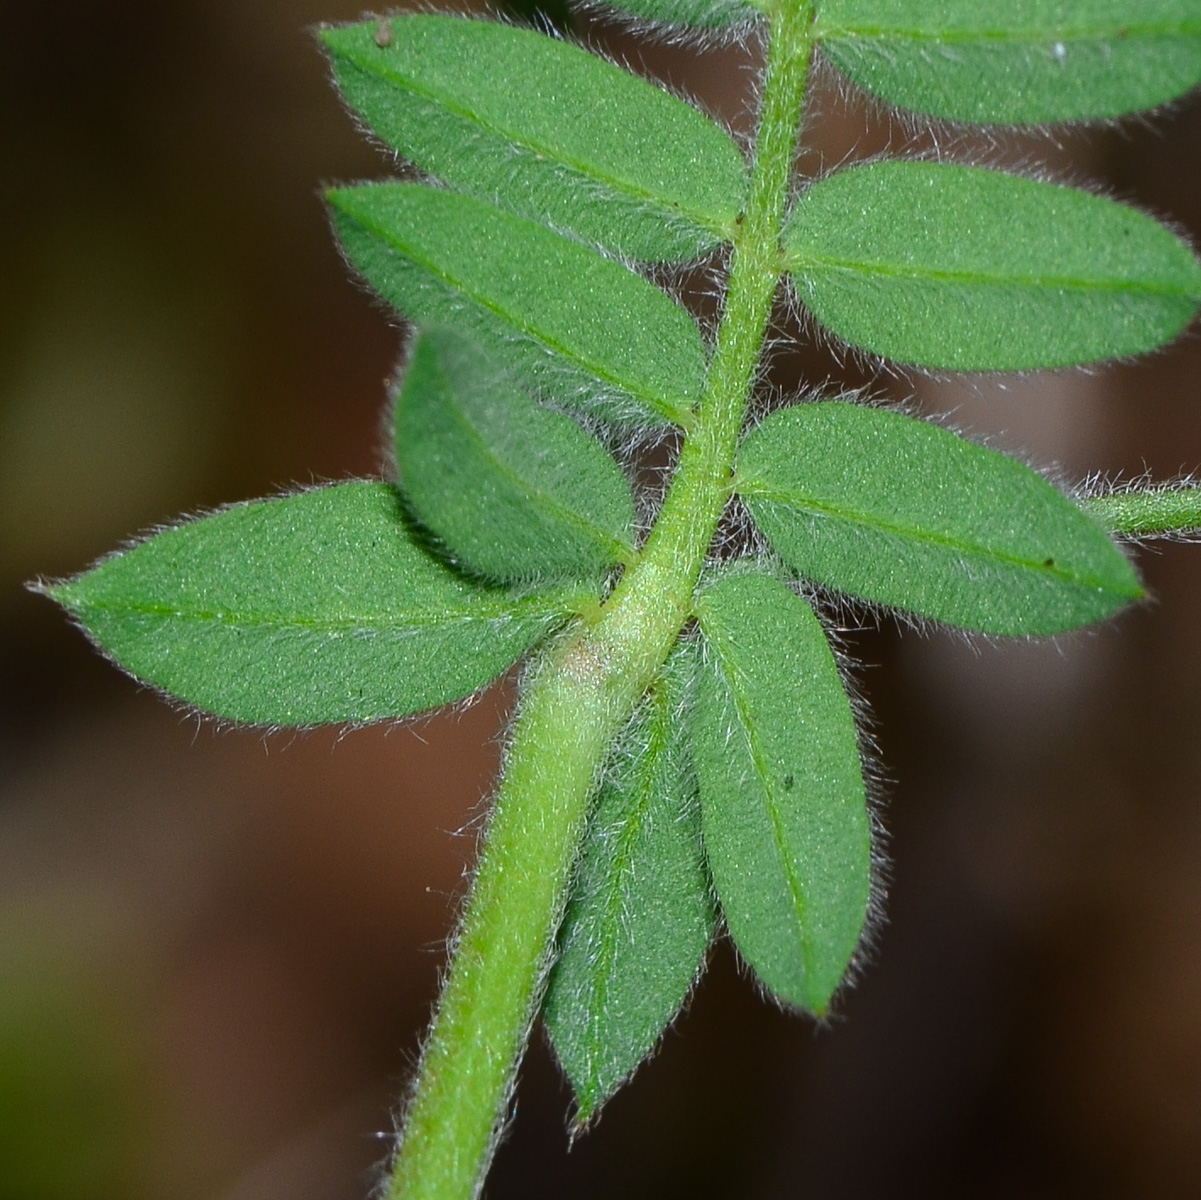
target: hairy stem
1160 510
578 700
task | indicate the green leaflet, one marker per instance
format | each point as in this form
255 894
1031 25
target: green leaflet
547 130
513 490
970 269
303 610
700 14
640 917
1146 512
904 513
1024 61
588 329
782 798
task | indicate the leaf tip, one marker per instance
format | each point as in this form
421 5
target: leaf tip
802 995
818 1005
585 1112
340 39
58 590
1126 587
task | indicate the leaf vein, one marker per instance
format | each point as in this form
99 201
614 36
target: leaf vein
886 270
796 501
729 674
1028 35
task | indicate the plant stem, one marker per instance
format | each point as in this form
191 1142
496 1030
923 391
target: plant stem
577 701
1159 510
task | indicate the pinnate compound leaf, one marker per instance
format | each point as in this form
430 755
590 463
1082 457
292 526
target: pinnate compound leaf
1023 61
783 805
513 490
640 915
547 130
904 513
584 327
303 610
971 269
699 14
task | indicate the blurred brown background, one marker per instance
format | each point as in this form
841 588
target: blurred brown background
217 950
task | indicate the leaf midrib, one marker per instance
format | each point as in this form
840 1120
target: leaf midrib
554 154
395 623
616 549
1025 36
388 236
611 914
730 677
808 504
799 263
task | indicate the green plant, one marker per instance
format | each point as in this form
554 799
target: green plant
683 739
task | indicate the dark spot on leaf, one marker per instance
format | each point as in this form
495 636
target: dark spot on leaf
789 783
1048 562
